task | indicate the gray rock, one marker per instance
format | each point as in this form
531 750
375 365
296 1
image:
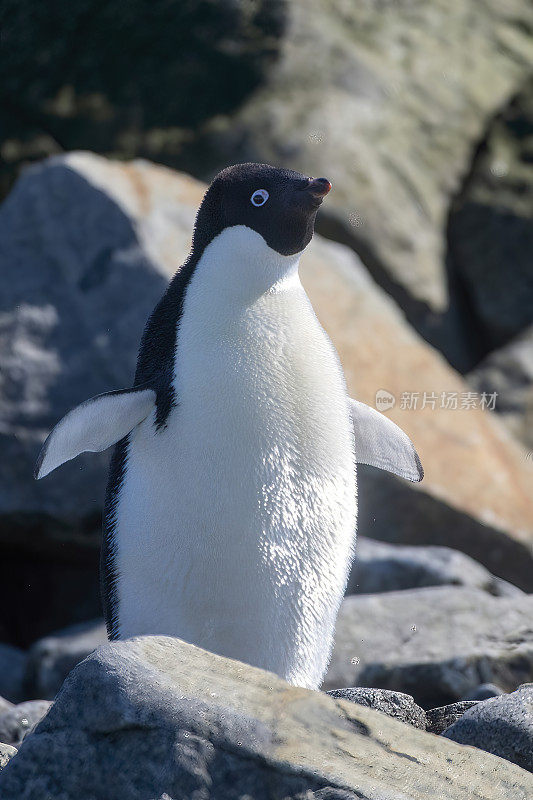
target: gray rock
435 644
12 665
51 659
385 567
395 704
7 752
484 691
501 725
154 716
508 372
19 721
438 719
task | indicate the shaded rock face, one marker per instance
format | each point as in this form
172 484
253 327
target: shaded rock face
399 514
435 644
87 247
508 371
438 719
174 68
75 307
490 234
182 722
5 705
383 567
501 725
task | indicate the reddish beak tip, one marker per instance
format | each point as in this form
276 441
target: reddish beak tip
320 186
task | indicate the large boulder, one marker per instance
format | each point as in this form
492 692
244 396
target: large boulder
390 105
87 246
384 567
435 644
82 267
154 717
502 725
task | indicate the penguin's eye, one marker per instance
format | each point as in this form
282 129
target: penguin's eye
259 197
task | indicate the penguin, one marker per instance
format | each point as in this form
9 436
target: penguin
231 507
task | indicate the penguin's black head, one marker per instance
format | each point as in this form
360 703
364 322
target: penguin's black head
279 204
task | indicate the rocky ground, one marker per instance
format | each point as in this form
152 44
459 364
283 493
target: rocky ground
155 717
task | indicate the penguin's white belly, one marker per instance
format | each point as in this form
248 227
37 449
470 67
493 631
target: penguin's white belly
236 522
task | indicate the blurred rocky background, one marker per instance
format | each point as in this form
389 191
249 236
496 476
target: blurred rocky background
113 115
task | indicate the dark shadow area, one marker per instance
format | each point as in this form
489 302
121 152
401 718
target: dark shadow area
125 77
48 576
490 230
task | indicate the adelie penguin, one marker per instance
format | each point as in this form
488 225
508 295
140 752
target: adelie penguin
230 512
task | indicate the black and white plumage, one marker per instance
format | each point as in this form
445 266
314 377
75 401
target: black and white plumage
231 506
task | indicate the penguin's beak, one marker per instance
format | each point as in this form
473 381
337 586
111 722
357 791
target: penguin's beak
319 187
316 190
310 192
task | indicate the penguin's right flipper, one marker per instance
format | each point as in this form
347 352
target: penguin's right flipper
380 443
94 426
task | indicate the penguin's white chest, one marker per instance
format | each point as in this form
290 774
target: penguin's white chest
236 521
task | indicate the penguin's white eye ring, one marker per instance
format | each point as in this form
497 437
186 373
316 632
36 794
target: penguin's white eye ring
259 197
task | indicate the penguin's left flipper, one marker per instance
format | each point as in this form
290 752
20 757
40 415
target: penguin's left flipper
94 426
379 442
